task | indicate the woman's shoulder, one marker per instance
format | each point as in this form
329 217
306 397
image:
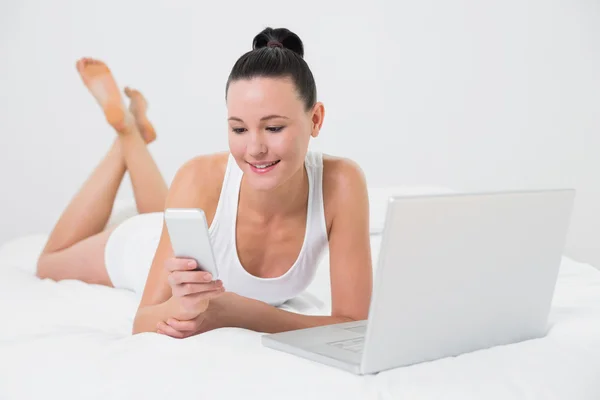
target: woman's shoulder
343 181
198 183
203 168
339 173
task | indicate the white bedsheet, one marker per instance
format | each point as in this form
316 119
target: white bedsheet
70 340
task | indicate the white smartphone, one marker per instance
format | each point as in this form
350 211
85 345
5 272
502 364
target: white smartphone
188 231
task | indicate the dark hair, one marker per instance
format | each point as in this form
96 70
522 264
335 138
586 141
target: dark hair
277 53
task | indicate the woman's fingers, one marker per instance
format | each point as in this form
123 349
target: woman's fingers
184 280
169 330
196 300
196 288
179 277
180 264
185 326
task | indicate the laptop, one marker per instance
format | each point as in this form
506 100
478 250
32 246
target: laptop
456 273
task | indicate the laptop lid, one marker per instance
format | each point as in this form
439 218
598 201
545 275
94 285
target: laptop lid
461 272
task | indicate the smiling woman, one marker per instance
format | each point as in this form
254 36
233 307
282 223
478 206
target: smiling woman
270 127
272 207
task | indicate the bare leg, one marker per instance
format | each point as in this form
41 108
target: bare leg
83 261
138 107
75 248
89 210
149 187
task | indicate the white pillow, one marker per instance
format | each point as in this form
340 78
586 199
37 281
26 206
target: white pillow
379 197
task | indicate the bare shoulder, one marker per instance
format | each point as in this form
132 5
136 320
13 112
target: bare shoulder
196 169
339 171
198 183
343 180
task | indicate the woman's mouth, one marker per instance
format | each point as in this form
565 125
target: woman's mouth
263 167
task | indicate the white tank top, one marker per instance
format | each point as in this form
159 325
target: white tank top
274 291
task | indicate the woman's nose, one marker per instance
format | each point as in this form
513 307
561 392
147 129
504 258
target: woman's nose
257 145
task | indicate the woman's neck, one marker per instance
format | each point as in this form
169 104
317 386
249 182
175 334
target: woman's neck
286 199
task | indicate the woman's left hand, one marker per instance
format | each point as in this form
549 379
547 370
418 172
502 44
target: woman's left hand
182 329
214 317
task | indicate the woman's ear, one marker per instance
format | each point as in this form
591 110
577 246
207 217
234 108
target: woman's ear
318 114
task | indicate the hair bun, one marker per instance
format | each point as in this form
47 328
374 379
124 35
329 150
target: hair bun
280 37
274 43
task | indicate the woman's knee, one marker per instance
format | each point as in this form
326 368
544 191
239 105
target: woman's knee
55 266
45 267
82 261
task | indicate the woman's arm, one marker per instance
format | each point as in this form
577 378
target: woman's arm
191 188
233 310
349 242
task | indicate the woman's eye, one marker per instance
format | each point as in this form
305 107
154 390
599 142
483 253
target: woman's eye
275 128
238 130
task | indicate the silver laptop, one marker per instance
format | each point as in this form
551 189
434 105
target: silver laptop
456 273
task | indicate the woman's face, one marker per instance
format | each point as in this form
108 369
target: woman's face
269 129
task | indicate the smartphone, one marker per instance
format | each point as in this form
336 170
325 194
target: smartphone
188 231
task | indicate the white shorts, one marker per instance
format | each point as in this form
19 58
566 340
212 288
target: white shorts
130 251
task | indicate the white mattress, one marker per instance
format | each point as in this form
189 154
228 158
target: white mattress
71 340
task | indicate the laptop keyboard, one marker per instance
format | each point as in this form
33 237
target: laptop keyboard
361 329
353 345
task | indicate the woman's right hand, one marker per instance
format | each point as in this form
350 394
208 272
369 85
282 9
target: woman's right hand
191 289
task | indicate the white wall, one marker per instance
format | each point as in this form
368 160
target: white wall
465 94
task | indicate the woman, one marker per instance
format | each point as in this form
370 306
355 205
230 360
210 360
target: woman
272 208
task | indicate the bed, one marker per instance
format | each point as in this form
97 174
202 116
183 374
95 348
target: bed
72 340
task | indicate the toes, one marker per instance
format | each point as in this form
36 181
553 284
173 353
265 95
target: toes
132 92
93 61
82 63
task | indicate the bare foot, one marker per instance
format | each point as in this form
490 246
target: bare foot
138 107
100 82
